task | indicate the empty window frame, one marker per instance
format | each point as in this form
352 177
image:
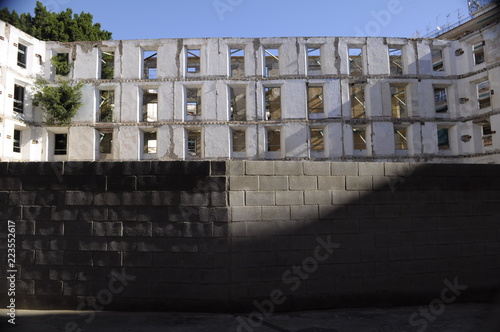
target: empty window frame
400 138
355 61
193 143
193 101
107 65
237 62
398 101
16 144
315 99
440 100
272 62
150 142
150 105
443 138
483 94
106 142
272 103
313 59
106 105
61 63
487 134
60 144
358 106
21 55
396 60
437 60
317 139
150 65
18 98
238 103
273 139
193 60
359 138
478 50
238 140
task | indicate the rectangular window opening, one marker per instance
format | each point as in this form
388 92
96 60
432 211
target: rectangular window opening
60 144
193 60
238 103
194 143
359 137
107 65
237 62
313 59
358 106
239 140
105 142
483 94
273 103
487 134
398 101
401 139
478 50
355 61
150 142
272 63
396 60
150 65
106 105
315 99
61 63
17 141
443 141
18 98
437 60
273 140
21 55
317 139
440 100
150 105
193 101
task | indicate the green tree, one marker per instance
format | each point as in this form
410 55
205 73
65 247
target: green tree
63 27
59 102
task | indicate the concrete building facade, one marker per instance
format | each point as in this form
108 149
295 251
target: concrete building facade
324 98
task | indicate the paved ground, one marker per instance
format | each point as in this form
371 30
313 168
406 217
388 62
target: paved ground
455 317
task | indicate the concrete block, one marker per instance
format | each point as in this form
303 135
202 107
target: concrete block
121 244
165 198
108 198
319 197
244 183
121 183
10 183
288 167
328 212
78 198
305 212
370 169
303 182
43 257
260 198
273 183
397 169
195 199
147 244
64 213
275 213
25 227
18 197
236 168
93 213
289 198
93 244
259 168
138 259
344 168
345 197
107 229
357 183
136 198
331 182
133 228
81 228
49 228
236 198
360 211
389 239
246 213
215 214
217 168
36 213
123 213
192 229
316 168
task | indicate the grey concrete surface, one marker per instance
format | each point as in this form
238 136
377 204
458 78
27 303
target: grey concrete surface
454 317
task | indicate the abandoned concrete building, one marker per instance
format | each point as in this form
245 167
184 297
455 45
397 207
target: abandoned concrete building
325 98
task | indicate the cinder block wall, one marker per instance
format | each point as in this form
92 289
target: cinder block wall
218 236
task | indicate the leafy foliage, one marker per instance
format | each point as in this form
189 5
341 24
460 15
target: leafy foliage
63 27
60 103
61 62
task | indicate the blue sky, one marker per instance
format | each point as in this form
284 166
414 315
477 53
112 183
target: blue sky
136 19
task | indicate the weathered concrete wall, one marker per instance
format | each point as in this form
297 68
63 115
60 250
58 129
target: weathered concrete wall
216 236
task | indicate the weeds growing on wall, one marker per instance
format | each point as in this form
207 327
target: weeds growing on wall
59 102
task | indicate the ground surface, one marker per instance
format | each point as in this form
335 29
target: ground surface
455 317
